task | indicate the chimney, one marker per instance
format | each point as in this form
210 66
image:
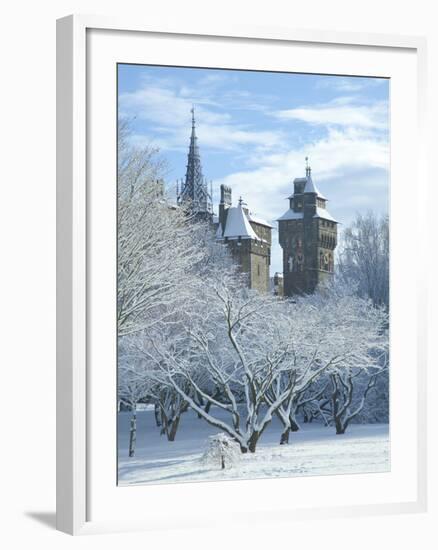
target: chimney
224 204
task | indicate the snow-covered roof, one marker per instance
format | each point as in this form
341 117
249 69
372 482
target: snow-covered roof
258 220
310 187
322 213
291 215
237 225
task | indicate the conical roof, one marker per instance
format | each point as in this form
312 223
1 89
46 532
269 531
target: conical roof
310 187
237 224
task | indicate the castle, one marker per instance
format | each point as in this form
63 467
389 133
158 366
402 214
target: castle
307 232
308 237
248 238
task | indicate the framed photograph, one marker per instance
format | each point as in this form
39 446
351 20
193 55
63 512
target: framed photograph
241 322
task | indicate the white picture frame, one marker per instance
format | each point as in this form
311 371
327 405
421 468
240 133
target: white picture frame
75 215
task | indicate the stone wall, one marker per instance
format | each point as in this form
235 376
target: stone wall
313 239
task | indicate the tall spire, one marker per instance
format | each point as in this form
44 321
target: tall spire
194 192
192 110
308 169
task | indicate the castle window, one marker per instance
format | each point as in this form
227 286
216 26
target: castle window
258 270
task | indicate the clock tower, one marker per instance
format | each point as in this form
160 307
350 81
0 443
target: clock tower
308 237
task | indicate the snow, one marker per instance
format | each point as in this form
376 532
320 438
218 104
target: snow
322 213
219 231
314 450
260 221
291 215
310 187
237 225
222 451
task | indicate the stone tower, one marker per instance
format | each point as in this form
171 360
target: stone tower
248 238
308 237
194 193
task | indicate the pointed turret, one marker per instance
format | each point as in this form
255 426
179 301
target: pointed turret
194 193
248 239
238 225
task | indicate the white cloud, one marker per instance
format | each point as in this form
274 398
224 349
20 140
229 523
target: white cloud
168 109
348 84
220 137
349 167
344 111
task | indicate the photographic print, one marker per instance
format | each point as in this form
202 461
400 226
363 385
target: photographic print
253 274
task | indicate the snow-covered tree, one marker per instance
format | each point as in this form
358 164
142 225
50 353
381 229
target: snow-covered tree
304 397
171 407
221 451
347 387
376 406
358 331
364 257
216 348
138 376
235 349
133 385
157 247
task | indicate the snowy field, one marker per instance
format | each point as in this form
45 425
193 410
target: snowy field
314 450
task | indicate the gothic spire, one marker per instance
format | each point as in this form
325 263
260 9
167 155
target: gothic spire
194 192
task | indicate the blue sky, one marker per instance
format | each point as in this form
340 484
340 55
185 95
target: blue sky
255 129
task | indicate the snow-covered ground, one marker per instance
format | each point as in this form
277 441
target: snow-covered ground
314 450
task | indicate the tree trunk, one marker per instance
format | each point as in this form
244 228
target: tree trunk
133 434
164 423
340 428
201 404
173 428
284 439
294 426
157 415
207 407
252 443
